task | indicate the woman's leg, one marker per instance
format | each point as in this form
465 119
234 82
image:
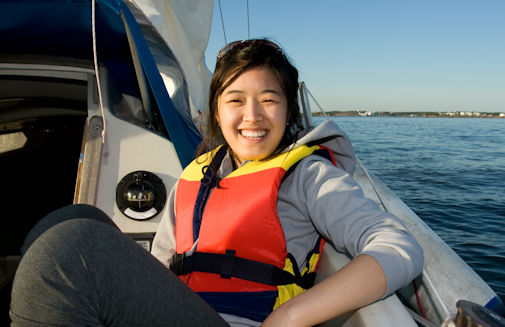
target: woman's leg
78 269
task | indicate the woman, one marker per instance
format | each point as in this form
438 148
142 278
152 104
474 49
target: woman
246 223
254 113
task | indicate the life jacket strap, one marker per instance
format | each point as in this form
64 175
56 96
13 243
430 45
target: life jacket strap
228 265
209 180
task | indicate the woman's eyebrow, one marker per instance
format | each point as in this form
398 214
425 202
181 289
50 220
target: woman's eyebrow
271 91
233 91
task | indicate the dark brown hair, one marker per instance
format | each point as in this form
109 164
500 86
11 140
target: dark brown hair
235 61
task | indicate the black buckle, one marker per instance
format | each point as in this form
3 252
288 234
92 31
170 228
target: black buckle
228 263
177 265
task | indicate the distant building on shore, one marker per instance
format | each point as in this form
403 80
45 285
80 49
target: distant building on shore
365 113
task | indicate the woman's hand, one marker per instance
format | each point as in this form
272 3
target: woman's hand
357 284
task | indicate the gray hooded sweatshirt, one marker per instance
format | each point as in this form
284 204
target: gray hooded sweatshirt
317 198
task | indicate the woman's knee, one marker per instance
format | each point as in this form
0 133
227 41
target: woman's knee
58 271
70 212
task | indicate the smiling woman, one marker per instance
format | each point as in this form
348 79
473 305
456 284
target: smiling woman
251 213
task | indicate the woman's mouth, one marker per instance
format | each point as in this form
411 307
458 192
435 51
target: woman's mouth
253 134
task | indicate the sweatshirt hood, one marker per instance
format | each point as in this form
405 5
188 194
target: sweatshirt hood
330 135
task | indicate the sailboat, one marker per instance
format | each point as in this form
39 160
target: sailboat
103 102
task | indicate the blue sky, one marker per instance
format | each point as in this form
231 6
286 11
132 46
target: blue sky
445 55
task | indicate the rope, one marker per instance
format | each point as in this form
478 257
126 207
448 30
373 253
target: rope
95 61
418 300
222 22
248 27
422 321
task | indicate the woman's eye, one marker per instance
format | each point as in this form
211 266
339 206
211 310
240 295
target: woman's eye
268 100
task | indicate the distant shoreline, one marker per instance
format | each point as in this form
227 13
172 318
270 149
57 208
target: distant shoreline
452 114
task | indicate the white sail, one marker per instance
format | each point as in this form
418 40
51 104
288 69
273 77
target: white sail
185 27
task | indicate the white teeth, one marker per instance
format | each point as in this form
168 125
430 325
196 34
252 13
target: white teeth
248 133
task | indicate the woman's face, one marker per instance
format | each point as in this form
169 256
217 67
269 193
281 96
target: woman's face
252 113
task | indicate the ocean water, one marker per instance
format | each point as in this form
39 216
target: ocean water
450 172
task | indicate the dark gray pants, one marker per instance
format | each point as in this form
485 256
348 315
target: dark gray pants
78 269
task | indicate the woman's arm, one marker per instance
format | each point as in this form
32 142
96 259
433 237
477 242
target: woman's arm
164 241
357 284
386 256
317 194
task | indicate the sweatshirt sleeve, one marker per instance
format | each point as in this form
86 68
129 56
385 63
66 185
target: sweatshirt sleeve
164 241
354 224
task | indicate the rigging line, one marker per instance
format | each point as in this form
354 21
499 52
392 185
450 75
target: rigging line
95 61
222 22
372 183
435 292
313 98
248 27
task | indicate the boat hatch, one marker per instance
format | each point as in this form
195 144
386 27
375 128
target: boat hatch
42 120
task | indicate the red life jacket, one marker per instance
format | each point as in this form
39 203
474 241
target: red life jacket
240 265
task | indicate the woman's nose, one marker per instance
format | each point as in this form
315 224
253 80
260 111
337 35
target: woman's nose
253 111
